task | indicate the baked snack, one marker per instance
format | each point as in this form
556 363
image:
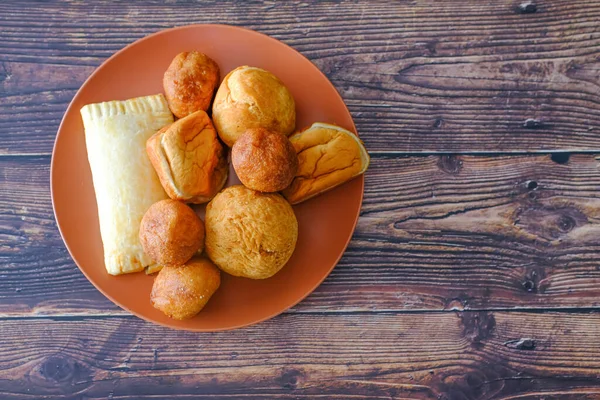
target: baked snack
251 97
182 291
248 233
171 232
124 180
327 157
190 82
264 160
189 159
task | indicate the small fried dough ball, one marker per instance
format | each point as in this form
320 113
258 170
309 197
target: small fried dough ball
171 232
190 82
181 292
264 160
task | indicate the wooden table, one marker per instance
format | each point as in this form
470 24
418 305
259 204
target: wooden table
474 272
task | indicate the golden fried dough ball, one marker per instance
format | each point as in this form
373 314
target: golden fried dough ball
189 159
327 157
182 291
249 233
190 82
251 97
171 232
264 160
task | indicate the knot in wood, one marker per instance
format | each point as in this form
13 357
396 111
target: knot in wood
57 369
4 73
532 185
566 223
531 123
521 344
529 285
477 326
527 7
450 164
550 223
560 158
291 378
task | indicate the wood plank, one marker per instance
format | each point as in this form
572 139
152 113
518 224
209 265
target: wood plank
439 76
436 232
451 356
31 246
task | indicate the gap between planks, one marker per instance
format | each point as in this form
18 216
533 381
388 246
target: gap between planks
406 154
380 154
563 310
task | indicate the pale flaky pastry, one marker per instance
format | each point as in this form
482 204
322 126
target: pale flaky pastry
189 159
327 157
124 180
251 97
248 233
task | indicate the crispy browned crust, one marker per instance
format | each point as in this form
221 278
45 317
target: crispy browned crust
171 232
251 97
190 83
188 158
182 291
263 160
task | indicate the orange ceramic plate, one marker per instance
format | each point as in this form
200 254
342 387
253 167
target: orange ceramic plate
326 222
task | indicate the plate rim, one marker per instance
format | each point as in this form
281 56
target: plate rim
53 178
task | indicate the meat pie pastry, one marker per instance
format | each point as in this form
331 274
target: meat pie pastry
124 180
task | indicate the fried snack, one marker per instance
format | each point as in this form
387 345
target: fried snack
263 160
248 233
327 157
124 181
251 97
154 268
182 291
190 82
189 159
171 233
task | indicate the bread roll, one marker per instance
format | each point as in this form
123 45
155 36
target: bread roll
248 233
251 97
327 157
189 159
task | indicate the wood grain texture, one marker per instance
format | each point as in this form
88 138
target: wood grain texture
436 233
425 76
450 356
429 300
